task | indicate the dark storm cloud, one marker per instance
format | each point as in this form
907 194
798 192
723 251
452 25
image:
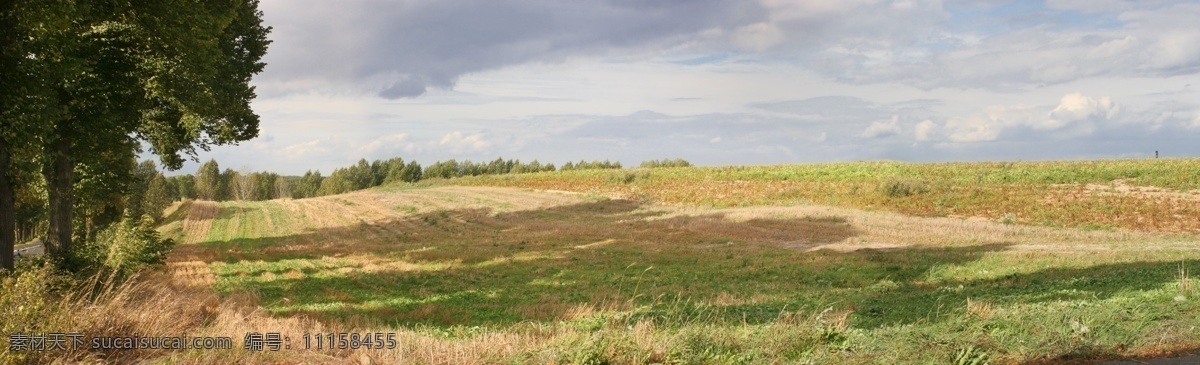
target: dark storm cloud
402 48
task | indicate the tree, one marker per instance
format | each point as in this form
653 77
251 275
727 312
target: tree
173 74
184 186
139 183
308 185
225 189
360 176
243 185
157 197
395 170
411 172
208 178
264 188
283 188
24 108
338 182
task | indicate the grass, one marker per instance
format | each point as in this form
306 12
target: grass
1148 195
610 274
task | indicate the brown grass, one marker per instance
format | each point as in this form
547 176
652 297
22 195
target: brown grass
1116 205
390 233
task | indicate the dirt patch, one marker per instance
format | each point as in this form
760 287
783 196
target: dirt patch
1122 187
199 220
850 245
596 244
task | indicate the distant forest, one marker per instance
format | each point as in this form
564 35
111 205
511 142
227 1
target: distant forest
211 183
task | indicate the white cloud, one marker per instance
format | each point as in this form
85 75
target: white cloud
455 141
1075 115
880 129
302 150
729 82
923 130
1091 6
974 128
1077 108
387 146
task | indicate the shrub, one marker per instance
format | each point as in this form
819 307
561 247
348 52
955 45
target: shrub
126 247
679 162
24 296
628 177
903 187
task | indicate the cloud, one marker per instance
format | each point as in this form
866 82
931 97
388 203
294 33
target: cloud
988 45
881 129
922 131
305 149
1075 115
401 49
397 50
1078 108
845 109
456 142
406 87
387 146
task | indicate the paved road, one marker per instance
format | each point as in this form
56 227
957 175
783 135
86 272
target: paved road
34 248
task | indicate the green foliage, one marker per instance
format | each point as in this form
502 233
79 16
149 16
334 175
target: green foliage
208 181
282 188
125 247
411 172
970 355
159 194
896 188
24 297
308 186
184 187
338 182
584 165
224 185
628 177
391 170
104 188
30 205
90 83
679 162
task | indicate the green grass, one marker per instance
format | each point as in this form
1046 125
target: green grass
608 276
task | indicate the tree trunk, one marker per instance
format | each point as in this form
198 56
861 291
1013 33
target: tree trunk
60 187
8 222
9 60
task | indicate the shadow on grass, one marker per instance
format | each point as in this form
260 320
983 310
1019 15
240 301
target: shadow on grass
476 267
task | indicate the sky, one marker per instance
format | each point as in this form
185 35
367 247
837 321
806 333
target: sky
743 82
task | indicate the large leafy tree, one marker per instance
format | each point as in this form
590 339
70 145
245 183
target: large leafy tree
173 74
23 25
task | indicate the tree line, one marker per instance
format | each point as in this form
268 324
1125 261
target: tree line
211 183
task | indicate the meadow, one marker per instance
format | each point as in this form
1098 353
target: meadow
860 263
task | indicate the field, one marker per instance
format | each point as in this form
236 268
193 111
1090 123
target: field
831 263
837 263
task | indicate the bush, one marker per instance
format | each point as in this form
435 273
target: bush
903 187
628 177
31 297
679 162
126 247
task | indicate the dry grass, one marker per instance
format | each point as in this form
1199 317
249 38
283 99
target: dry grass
480 275
1143 195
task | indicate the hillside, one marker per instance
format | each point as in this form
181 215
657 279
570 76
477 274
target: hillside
617 271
